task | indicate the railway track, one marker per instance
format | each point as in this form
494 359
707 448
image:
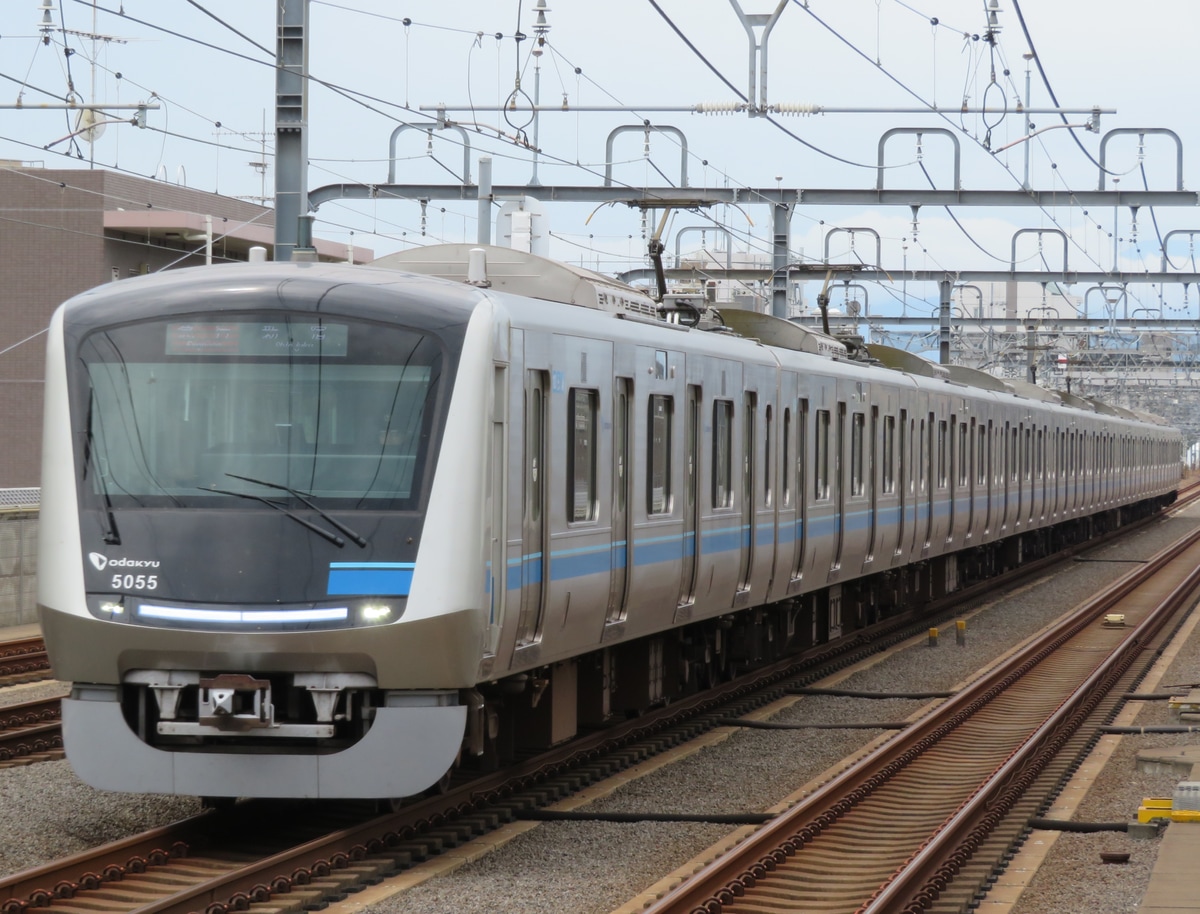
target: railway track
225 861
23 660
901 830
30 732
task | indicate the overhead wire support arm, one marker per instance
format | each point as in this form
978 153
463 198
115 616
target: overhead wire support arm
428 129
646 128
1142 131
758 51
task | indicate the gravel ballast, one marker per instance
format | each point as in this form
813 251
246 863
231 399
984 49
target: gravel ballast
600 866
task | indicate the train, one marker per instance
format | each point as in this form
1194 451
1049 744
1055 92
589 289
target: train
317 530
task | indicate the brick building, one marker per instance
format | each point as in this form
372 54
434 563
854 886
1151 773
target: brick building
63 231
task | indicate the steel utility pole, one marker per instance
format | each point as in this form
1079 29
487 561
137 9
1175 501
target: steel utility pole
291 127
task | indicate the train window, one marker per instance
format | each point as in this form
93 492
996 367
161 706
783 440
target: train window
857 436
922 457
1027 457
534 446
582 409
722 456
821 456
889 454
1014 456
801 449
767 456
621 441
184 412
658 464
981 456
941 454
964 462
786 466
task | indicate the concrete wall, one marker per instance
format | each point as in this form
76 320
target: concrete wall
18 566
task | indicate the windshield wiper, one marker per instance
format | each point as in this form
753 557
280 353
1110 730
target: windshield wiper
315 528
354 537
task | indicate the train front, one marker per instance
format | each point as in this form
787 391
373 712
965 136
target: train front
237 465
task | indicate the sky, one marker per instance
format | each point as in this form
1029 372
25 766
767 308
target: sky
376 65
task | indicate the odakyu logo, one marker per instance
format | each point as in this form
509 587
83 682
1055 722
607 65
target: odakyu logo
100 562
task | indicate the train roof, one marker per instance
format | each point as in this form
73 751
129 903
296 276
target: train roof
520 273
531 276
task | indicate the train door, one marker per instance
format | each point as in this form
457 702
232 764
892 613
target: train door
952 458
497 498
1005 457
839 484
969 473
929 472
749 437
534 558
691 501
800 462
622 476
903 465
985 475
916 480
1018 473
1056 462
872 443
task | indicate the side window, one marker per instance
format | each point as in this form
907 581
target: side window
534 437
857 435
981 457
889 454
785 466
582 409
964 450
658 462
941 454
767 491
722 456
821 456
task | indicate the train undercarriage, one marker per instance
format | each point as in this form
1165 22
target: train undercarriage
520 715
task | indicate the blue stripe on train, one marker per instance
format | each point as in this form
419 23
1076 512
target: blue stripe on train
391 579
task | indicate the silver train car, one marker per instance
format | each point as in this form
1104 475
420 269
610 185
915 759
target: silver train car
314 530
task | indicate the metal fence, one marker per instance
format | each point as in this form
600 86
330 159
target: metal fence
18 556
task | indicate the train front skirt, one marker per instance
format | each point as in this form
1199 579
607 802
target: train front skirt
389 761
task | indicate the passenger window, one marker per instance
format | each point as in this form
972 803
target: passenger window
857 425
582 408
785 478
941 454
964 462
722 457
889 454
658 464
821 457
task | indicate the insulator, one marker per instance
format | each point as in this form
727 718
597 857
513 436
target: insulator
719 107
800 109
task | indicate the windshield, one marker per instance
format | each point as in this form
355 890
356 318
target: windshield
332 407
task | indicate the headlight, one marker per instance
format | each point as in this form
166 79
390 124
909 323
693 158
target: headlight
244 617
375 613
